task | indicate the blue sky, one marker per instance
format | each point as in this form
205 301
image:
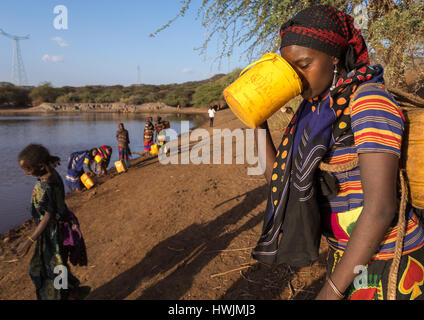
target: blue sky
105 41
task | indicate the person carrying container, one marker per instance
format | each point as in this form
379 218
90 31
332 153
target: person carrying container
336 170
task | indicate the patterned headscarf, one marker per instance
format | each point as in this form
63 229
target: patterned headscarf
326 29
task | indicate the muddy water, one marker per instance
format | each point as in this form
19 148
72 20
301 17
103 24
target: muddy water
62 135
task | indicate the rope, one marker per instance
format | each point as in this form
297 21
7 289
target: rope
394 268
339 167
407 97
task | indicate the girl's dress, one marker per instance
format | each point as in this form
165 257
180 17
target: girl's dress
49 250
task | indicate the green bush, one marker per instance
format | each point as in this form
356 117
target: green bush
211 92
206 94
69 98
185 94
13 96
44 93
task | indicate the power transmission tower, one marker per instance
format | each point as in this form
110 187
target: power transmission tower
138 75
18 70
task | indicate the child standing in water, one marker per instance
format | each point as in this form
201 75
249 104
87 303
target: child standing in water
57 236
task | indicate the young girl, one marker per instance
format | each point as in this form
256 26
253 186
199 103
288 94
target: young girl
355 206
52 217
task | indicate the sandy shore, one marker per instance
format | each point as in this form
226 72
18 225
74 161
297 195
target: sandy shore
177 231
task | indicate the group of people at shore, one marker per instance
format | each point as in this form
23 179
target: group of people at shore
101 156
57 237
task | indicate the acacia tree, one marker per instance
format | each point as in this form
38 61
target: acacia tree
395 27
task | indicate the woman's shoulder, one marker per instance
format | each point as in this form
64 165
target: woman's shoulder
373 99
377 120
373 92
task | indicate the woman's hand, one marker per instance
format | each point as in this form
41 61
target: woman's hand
327 293
23 248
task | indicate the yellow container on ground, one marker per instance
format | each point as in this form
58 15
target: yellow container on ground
120 166
154 150
87 181
262 88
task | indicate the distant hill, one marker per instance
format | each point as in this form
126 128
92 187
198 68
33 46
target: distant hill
184 94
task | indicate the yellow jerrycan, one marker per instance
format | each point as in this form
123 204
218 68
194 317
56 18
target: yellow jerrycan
120 166
87 181
262 88
154 150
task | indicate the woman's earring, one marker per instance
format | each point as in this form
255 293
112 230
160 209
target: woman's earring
334 77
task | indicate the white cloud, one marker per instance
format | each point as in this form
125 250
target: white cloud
53 59
187 70
60 41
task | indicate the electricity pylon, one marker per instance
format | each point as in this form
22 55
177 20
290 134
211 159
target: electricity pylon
18 70
138 75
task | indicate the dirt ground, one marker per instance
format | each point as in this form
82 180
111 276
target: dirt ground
172 232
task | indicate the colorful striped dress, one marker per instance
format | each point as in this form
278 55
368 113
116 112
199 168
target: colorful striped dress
377 126
148 135
123 146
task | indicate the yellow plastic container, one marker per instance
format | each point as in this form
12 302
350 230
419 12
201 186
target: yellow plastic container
87 181
120 166
154 150
262 88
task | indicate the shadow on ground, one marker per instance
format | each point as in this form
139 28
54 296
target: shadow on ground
179 258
